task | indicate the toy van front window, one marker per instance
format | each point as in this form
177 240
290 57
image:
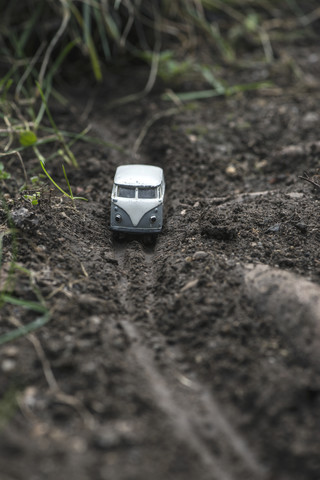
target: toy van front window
126 192
147 192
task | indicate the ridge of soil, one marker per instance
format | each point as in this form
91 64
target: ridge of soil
186 359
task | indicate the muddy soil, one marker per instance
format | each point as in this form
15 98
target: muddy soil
197 357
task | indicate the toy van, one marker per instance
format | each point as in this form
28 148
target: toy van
137 199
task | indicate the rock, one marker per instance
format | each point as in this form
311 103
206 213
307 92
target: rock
295 194
10 351
290 301
274 228
218 232
302 227
310 119
8 365
231 171
24 218
191 284
200 255
292 151
115 435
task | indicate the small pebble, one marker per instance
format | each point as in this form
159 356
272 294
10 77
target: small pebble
274 228
295 194
292 151
10 351
302 227
192 138
8 365
310 119
231 170
199 255
95 320
29 396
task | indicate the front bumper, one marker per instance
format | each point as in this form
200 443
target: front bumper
144 226
135 229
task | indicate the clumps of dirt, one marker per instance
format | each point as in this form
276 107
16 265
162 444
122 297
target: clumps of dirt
24 219
219 232
215 226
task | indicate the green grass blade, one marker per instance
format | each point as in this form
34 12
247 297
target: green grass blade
6 89
25 329
30 24
89 42
67 180
35 306
55 128
40 157
62 55
84 24
102 33
112 27
247 86
44 101
206 71
86 10
1 250
190 96
42 161
94 61
7 76
49 77
203 94
43 141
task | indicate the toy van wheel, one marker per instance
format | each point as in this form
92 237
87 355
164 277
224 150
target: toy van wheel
117 236
149 239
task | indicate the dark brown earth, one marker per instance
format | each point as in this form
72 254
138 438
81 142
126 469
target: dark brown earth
196 358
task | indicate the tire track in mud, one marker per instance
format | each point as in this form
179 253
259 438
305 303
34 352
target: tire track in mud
190 407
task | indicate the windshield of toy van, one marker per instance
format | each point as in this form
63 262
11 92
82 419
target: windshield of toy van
147 192
127 192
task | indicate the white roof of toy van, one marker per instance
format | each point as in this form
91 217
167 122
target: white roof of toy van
138 175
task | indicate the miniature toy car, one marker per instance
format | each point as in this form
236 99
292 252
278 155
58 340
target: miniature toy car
137 199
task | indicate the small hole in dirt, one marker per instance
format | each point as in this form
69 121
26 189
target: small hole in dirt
61 413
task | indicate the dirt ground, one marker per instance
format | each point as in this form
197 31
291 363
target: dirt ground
195 358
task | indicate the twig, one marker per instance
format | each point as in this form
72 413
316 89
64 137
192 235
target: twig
10 134
26 74
41 355
54 388
55 39
307 178
148 124
23 167
129 24
152 73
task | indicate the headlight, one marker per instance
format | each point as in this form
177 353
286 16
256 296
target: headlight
153 219
118 218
